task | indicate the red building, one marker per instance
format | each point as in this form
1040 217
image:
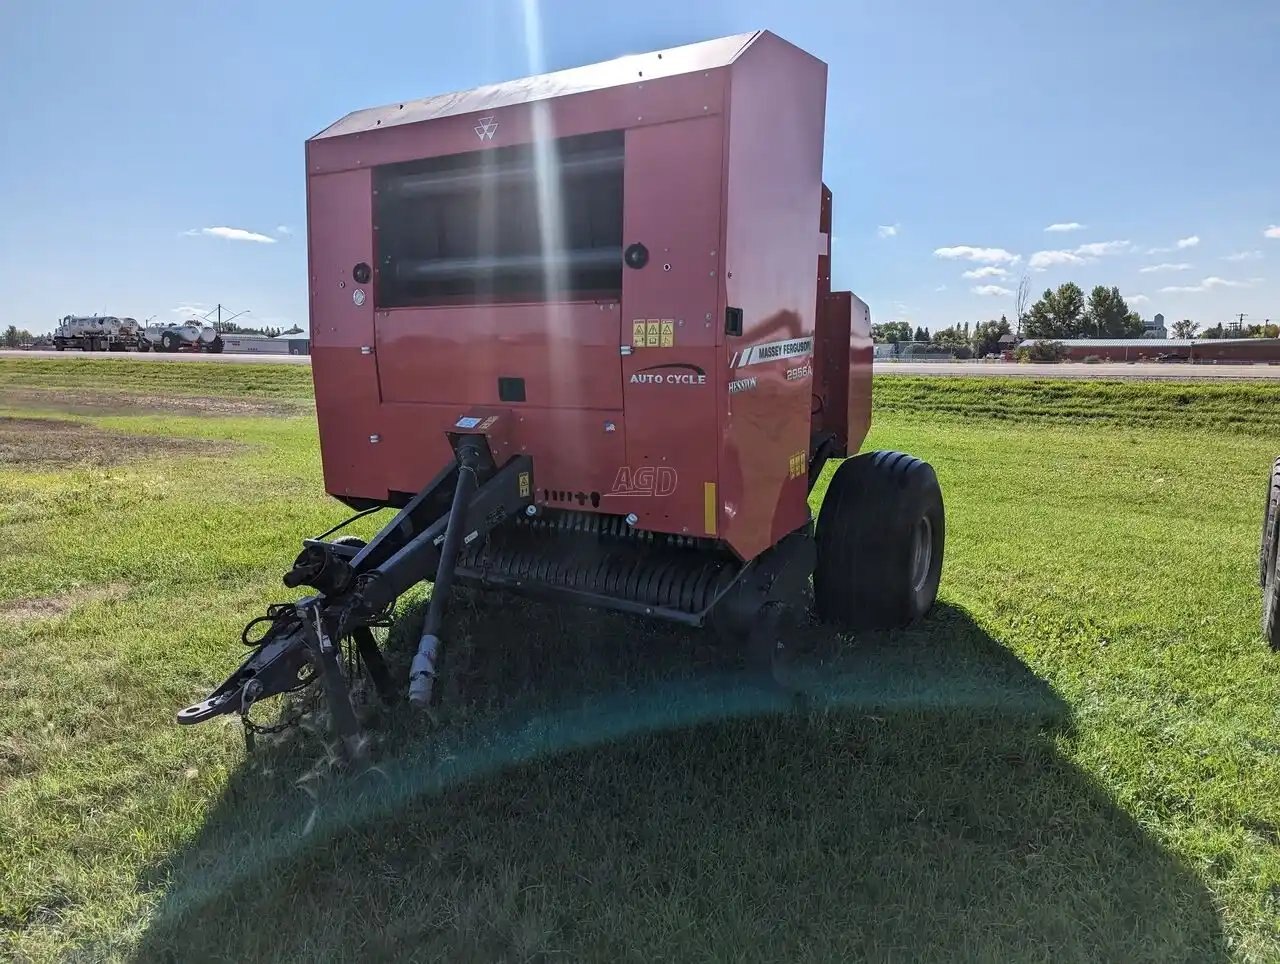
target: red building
1207 350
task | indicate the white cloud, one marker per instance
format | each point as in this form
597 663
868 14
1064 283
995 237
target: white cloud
977 274
1181 245
1066 226
1081 255
982 255
232 234
1152 268
1272 232
186 311
887 231
284 230
1206 285
1046 259
1243 256
940 288
1099 249
1136 299
994 290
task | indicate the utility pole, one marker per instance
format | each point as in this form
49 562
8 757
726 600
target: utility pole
230 318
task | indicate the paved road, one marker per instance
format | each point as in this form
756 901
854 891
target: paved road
159 356
1138 371
1135 372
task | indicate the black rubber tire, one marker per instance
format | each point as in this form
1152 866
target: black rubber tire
144 346
166 342
1267 548
869 574
216 346
1271 613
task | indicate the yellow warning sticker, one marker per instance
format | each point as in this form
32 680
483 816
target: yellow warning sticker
652 329
795 467
638 333
710 510
668 333
524 485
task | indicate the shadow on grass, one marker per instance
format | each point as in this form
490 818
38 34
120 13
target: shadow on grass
607 789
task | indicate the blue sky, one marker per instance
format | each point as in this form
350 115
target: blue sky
956 134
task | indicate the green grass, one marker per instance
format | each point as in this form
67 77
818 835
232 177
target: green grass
253 380
1074 759
1235 407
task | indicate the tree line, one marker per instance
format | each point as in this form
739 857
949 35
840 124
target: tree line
1060 314
231 328
15 336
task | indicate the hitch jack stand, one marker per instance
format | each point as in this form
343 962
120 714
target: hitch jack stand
422 673
325 654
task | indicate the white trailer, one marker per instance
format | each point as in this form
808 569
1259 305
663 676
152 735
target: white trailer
97 333
185 336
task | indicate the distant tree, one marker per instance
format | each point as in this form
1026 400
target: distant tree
890 332
1108 315
1021 301
1186 328
1041 351
921 334
1058 314
986 336
954 340
1214 332
11 337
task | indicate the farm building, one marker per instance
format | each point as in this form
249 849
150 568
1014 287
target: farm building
298 344
1208 350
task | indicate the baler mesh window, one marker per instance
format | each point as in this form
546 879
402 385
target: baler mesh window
466 227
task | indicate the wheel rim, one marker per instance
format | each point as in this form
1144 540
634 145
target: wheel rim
921 552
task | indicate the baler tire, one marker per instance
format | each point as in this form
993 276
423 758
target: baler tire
1271 613
166 342
1267 548
880 512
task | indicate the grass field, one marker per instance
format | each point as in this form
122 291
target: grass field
1074 759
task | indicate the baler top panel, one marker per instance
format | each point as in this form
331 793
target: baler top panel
623 71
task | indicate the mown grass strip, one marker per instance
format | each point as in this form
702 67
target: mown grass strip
1245 408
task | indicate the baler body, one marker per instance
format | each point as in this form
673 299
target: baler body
627 263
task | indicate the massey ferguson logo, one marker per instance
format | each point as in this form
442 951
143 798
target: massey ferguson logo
772 351
655 480
487 127
669 375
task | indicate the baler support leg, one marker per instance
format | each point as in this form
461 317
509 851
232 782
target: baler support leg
422 673
325 653
371 656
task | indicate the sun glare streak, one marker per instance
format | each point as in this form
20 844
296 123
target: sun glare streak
550 203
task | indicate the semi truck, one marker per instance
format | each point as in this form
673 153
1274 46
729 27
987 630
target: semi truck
97 333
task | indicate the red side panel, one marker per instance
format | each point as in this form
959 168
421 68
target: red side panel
566 354
340 236
831 368
672 190
774 183
861 352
